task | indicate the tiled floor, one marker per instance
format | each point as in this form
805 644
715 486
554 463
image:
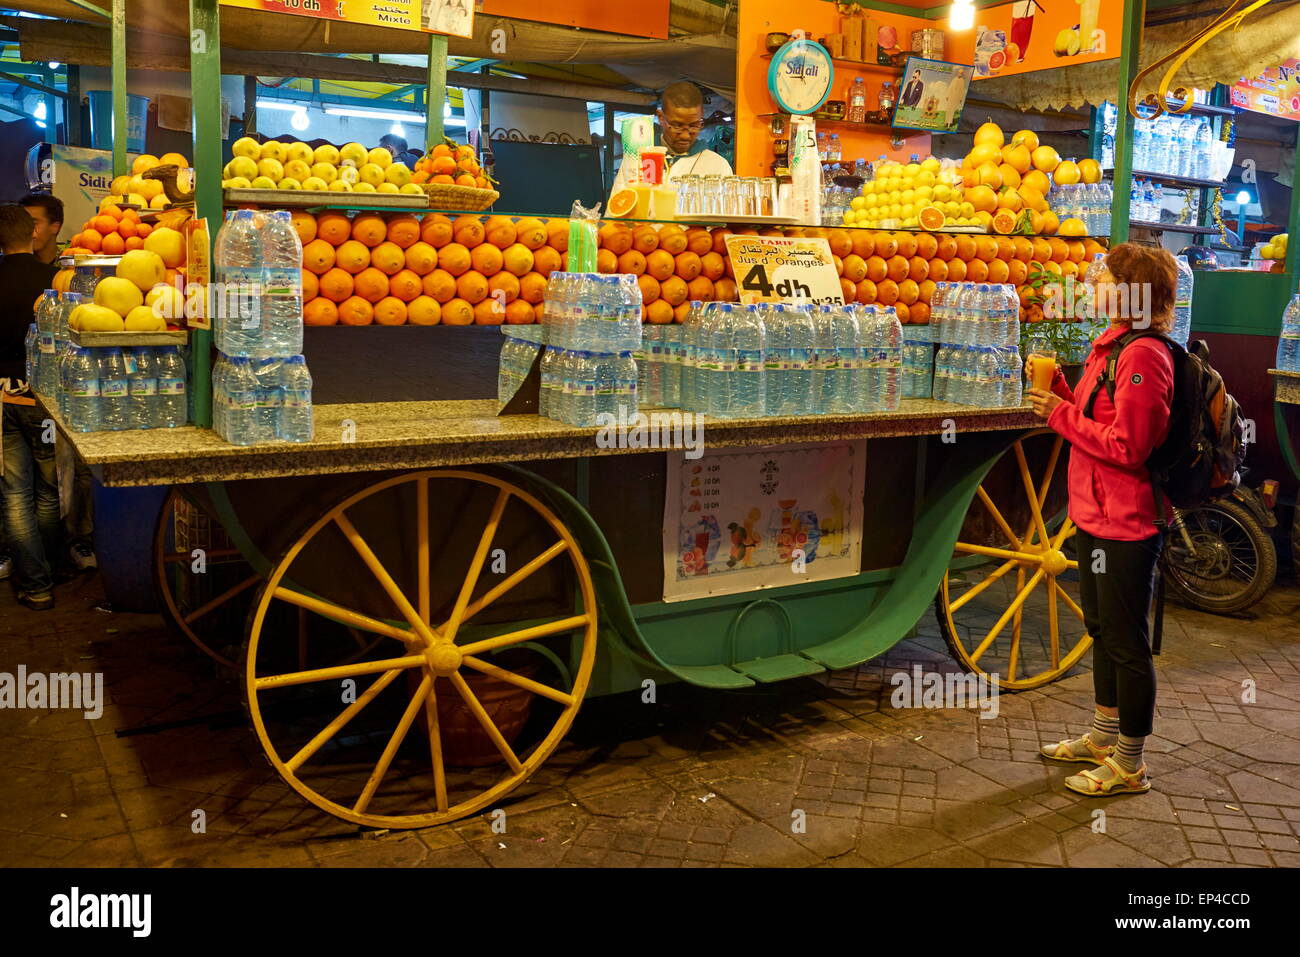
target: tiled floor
807 773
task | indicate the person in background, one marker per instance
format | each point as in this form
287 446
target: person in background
681 118
914 90
28 485
402 153
46 211
1114 504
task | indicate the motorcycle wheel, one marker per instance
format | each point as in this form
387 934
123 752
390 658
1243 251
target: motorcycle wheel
1233 564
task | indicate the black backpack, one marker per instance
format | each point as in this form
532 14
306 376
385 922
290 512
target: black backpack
1200 458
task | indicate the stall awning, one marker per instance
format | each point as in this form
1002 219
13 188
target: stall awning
705 57
1265 39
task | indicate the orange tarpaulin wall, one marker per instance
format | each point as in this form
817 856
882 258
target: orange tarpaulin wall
645 18
760 17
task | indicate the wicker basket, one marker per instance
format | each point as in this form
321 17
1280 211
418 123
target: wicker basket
468 198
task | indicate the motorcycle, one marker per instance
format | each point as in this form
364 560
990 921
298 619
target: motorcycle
1219 557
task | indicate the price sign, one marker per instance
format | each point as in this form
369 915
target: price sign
784 269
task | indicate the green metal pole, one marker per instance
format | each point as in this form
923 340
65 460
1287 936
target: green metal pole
205 92
1130 49
436 85
119 88
1292 224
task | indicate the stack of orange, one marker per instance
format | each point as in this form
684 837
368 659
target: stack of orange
900 269
398 270
111 232
673 266
450 164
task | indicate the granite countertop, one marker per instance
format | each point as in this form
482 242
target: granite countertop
1287 386
398 435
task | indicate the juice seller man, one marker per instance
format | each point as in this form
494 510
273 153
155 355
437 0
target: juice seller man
680 118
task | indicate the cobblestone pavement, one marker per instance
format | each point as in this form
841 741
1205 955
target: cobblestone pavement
702 779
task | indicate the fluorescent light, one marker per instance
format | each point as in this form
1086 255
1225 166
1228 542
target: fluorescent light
300 121
277 105
373 114
961 15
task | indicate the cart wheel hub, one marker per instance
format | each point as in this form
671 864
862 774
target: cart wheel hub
1054 562
444 659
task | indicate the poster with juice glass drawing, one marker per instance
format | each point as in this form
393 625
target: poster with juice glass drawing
931 95
738 519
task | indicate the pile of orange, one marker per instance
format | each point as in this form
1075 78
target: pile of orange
673 266
396 270
901 269
111 232
450 165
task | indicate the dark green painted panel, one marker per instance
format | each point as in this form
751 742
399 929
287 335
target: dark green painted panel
1245 303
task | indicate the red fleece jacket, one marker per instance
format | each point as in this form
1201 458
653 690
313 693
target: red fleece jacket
1110 487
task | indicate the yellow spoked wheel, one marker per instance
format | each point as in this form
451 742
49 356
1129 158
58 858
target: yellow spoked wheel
1009 605
202 581
477 592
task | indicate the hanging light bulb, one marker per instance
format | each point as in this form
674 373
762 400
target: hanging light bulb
299 121
961 15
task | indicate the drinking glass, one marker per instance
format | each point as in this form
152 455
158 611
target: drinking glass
751 203
768 197
731 201
1042 363
687 195
711 195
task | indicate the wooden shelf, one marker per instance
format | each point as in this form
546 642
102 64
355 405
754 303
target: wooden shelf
857 65
1177 228
1168 180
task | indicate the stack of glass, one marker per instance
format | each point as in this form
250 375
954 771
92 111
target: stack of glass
593 327
978 330
261 387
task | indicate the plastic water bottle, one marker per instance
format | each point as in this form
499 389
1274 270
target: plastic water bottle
281 286
605 365
749 395
546 396
626 391
1288 345
241 397
296 418
1202 150
776 363
269 398
583 403
988 378
797 398
824 362
1141 145
31 345
717 360
1182 302
892 336
687 395
238 261
114 390
844 338
142 387
42 375
170 372
84 410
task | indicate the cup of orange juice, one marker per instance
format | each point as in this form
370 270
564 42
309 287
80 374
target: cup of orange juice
1042 364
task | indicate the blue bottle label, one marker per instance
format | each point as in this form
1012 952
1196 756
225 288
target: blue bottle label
280 281
171 386
144 387
112 388
749 360
86 390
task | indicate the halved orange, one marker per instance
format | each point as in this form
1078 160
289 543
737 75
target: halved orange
931 217
1004 222
621 203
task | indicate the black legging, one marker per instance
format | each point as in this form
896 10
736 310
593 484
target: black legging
1116 603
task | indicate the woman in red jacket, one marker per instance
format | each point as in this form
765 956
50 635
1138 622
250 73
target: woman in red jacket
1113 504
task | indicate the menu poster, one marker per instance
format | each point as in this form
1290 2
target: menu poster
454 17
932 95
1030 35
1276 91
737 519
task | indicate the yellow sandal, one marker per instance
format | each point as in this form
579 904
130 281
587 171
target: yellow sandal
1061 751
1094 784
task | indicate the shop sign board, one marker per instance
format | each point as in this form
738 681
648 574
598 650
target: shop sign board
784 269
78 176
740 519
1276 91
1030 35
454 17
